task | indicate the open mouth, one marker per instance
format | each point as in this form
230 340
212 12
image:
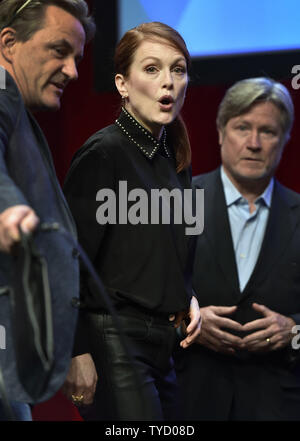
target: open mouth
166 102
58 86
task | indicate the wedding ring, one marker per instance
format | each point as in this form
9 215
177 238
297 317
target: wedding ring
268 340
77 398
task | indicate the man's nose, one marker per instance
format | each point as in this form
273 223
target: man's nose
254 140
70 69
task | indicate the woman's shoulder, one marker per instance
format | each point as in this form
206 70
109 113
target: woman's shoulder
103 143
97 153
104 139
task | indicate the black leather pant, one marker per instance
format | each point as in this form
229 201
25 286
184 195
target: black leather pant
141 387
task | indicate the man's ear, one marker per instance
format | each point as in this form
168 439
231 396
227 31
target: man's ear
221 136
7 43
121 85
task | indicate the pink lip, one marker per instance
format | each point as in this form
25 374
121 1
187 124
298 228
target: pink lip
59 89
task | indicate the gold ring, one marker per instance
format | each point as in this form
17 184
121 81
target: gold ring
77 398
268 340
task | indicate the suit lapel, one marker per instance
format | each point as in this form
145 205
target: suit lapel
218 232
280 227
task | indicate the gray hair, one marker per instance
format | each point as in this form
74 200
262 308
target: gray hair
244 94
28 17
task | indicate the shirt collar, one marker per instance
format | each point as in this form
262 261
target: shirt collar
232 195
140 136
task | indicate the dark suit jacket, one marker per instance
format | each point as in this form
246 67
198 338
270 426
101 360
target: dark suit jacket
27 177
268 383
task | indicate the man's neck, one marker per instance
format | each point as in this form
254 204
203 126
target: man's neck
250 189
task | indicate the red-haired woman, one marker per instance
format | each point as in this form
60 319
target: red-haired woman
144 262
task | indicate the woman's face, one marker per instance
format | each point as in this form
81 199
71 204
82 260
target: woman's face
156 85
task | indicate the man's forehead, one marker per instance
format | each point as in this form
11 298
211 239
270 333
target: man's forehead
59 24
54 15
266 110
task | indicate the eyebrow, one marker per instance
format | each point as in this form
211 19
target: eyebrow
158 59
64 42
264 126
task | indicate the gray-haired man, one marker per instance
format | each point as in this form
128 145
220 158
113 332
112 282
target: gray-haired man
246 270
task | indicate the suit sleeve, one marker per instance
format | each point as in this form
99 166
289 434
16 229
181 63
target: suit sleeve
91 172
10 193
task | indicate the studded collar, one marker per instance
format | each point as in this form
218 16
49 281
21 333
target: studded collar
140 136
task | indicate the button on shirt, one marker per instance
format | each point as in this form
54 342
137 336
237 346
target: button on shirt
247 229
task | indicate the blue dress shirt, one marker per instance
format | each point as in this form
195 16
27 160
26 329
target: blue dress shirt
247 229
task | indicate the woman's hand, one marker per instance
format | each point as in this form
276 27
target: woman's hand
194 327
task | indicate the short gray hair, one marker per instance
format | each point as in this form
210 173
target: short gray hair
244 94
29 19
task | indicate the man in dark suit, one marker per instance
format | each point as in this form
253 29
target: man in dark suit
40 46
247 268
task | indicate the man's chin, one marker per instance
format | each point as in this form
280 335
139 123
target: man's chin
253 173
50 106
54 104
253 177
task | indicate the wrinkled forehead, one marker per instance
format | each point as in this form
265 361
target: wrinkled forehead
261 112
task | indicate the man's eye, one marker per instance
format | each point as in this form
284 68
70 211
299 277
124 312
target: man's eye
269 131
242 128
61 52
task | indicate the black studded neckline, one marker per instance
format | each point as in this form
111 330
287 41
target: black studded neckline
140 136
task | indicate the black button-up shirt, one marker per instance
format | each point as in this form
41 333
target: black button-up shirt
148 265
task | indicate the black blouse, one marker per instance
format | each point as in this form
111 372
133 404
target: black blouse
145 264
